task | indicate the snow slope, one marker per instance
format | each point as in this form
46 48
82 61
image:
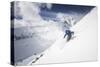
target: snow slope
81 48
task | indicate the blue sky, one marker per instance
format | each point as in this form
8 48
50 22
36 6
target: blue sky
51 14
64 8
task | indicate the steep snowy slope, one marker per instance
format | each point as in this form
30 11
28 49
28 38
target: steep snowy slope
81 48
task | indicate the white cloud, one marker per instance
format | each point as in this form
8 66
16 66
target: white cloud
49 6
29 12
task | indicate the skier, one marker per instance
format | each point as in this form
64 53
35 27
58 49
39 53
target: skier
69 33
